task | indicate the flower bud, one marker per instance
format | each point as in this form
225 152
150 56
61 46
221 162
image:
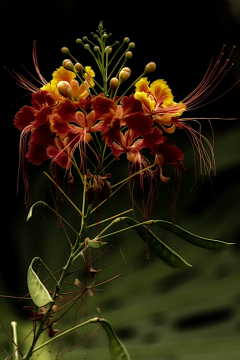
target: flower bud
65 50
79 41
64 62
87 46
131 45
128 55
100 26
85 38
68 65
124 74
64 89
150 67
114 83
116 42
105 36
96 48
78 67
126 40
108 50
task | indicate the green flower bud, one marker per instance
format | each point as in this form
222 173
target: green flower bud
126 40
105 36
87 46
150 67
124 74
108 50
114 83
68 65
131 45
96 49
79 67
128 55
65 50
79 41
85 38
116 43
100 26
64 89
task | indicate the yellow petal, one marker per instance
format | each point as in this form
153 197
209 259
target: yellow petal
61 74
90 72
161 92
146 101
142 85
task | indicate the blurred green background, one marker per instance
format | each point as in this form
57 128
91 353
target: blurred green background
157 311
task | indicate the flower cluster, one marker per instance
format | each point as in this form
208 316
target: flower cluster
68 113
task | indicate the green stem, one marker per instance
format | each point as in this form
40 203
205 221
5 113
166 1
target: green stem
149 222
112 217
49 271
15 339
94 320
75 207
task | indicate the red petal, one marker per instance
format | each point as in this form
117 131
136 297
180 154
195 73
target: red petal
66 110
154 139
131 105
42 98
25 117
171 155
59 156
102 107
40 139
139 124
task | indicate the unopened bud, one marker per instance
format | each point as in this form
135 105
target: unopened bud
124 74
79 41
64 62
128 55
100 26
95 36
96 49
68 65
131 45
85 38
116 42
105 36
114 83
78 67
108 50
65 50
126 40
87 46
150 67
64 89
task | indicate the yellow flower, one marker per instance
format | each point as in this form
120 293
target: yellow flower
61 74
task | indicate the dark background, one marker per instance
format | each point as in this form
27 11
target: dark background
181 38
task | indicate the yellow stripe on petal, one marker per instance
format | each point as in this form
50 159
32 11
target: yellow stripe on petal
142 85
161 92
146 101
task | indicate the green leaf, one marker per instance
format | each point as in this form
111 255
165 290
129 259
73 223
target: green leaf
169 256
38 292
202 242
38 203
116 348
96 244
